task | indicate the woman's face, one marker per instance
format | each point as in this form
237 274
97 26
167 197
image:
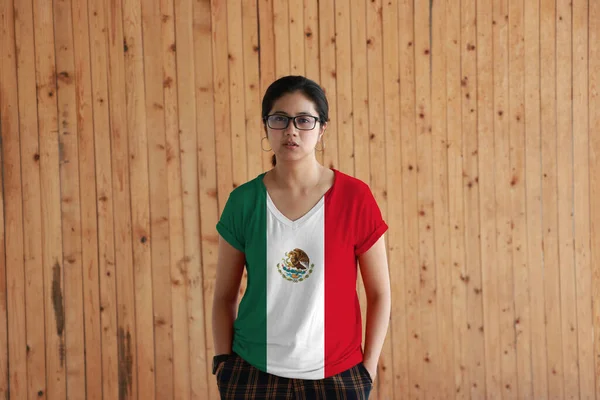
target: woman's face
291 143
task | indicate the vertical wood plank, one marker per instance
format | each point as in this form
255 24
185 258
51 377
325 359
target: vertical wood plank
397 334
441 202
504 225
343 61
239 152
534 196
127 338
205 127
222 137
328 81
564 163
68 132
281 32
267 61
89 227
582 200
140 196
520 245
4 371
424 168
222 101
360 92
549 199
35 379
179 287
190 266
126 332
459 280
475 335
252 96
312 56
160 220
377 152
296 32
50 194
13 344
10 115
492 137
106 241
360 96
594 136
416 349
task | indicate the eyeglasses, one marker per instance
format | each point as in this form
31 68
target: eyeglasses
301 122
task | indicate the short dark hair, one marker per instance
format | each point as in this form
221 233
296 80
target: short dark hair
291 84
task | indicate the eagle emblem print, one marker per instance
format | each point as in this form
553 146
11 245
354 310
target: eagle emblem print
295 266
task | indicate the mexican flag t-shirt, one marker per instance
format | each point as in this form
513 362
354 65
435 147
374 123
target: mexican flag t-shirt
300 315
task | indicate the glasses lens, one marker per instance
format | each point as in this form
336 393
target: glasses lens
305 122
278 121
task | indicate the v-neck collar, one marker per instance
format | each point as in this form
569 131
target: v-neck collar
298 222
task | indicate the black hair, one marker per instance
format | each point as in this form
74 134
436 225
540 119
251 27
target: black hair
292 84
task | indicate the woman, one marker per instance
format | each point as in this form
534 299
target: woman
299 229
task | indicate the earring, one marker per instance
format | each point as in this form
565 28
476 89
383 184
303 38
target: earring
261 144
322 145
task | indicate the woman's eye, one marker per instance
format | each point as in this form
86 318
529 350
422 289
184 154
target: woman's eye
279 118
303 120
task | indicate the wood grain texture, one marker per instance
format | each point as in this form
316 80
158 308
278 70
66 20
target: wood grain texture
190 266
104 201
328 81
207 181
13 329
554 337
27 129
125 124
594 154
409 201
459 283
425 202
533 155
395 236
135 93
518 211
565 202
89 224
50 157
68 134
159 187
470 49
582 202
124 273
441 201
177 273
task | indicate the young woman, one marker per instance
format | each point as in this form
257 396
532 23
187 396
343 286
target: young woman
299 230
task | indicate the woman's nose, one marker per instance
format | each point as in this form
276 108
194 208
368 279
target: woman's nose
291 129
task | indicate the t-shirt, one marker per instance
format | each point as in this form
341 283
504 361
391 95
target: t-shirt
300 315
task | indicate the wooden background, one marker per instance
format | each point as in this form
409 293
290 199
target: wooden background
126 123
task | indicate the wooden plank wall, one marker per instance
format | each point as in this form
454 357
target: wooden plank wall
126 123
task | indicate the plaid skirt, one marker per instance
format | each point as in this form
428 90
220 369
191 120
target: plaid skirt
237 379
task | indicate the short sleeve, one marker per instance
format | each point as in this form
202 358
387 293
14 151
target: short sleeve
370 224
231 223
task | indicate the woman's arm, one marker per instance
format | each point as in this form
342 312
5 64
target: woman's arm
230 266
375 275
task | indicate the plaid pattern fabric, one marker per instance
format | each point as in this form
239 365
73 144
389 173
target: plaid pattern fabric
238 380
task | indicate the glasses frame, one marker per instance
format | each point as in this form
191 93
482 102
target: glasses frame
266 121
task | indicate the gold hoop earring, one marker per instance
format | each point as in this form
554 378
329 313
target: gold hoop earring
322 145
261 144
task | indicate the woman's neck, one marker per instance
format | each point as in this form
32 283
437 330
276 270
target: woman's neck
299 175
